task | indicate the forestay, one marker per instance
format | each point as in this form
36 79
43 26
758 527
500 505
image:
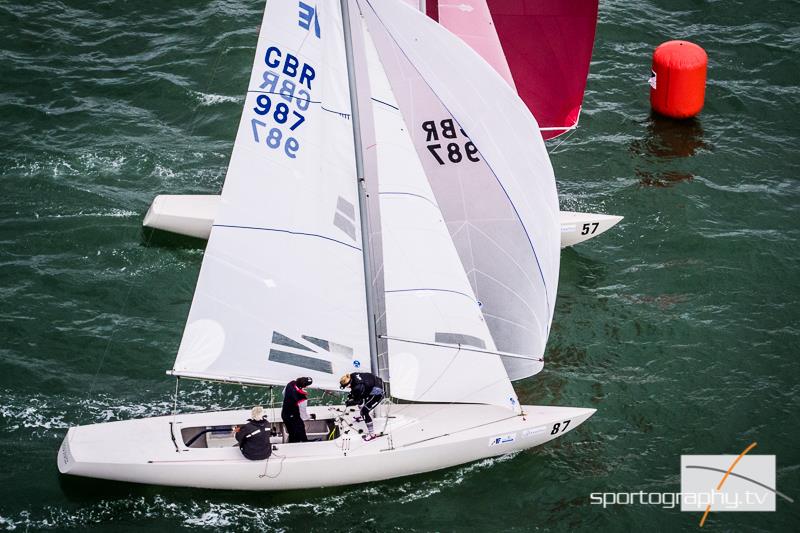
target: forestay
281 288
486 162
440 349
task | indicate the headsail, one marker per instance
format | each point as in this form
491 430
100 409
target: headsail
488 169
281 288
440 348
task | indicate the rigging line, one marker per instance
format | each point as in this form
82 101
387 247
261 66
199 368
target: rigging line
396 193
465 348
175 414
266 466
565 128
124 307
428 289
384 103
491 169
208 87
457 431
442 373
454 402
563 140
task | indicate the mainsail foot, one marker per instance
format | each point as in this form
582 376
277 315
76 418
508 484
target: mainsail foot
198 450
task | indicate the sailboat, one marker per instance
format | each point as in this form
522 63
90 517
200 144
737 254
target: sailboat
389 207
547 67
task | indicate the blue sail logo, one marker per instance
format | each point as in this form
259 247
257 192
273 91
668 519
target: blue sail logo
308 14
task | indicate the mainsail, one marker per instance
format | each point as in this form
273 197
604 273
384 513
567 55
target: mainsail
489 171
281 288
545 45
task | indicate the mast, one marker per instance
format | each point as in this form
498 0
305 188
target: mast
362 190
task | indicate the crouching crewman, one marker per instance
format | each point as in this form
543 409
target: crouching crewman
366 390
253 437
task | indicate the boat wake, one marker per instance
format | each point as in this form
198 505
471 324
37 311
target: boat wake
220 515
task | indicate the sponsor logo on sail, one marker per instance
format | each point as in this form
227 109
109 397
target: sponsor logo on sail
307 16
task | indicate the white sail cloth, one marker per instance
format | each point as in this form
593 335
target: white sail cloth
469 244
439 347
281 289
489 171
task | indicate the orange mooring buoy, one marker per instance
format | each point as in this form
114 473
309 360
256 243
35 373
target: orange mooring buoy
678 80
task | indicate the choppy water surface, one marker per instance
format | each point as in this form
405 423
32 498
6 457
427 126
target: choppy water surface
680 325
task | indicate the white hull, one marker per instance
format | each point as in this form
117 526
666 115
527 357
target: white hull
418 438
193 215
579 227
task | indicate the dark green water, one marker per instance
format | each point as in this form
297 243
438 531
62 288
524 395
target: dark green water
681 325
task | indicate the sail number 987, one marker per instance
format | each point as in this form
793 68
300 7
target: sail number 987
453 147
275 136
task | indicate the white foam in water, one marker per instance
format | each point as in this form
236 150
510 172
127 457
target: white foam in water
212 515
110 213
163 172
213 99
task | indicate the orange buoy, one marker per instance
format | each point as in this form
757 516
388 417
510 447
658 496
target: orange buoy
678 80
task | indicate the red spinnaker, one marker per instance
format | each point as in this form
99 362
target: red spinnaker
547 46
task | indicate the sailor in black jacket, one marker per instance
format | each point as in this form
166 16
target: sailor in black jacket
294 410
253 437
366 390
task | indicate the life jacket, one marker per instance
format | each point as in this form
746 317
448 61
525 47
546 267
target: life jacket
292 396
253 439
362 383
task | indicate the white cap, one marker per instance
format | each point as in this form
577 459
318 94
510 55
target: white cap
257 413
